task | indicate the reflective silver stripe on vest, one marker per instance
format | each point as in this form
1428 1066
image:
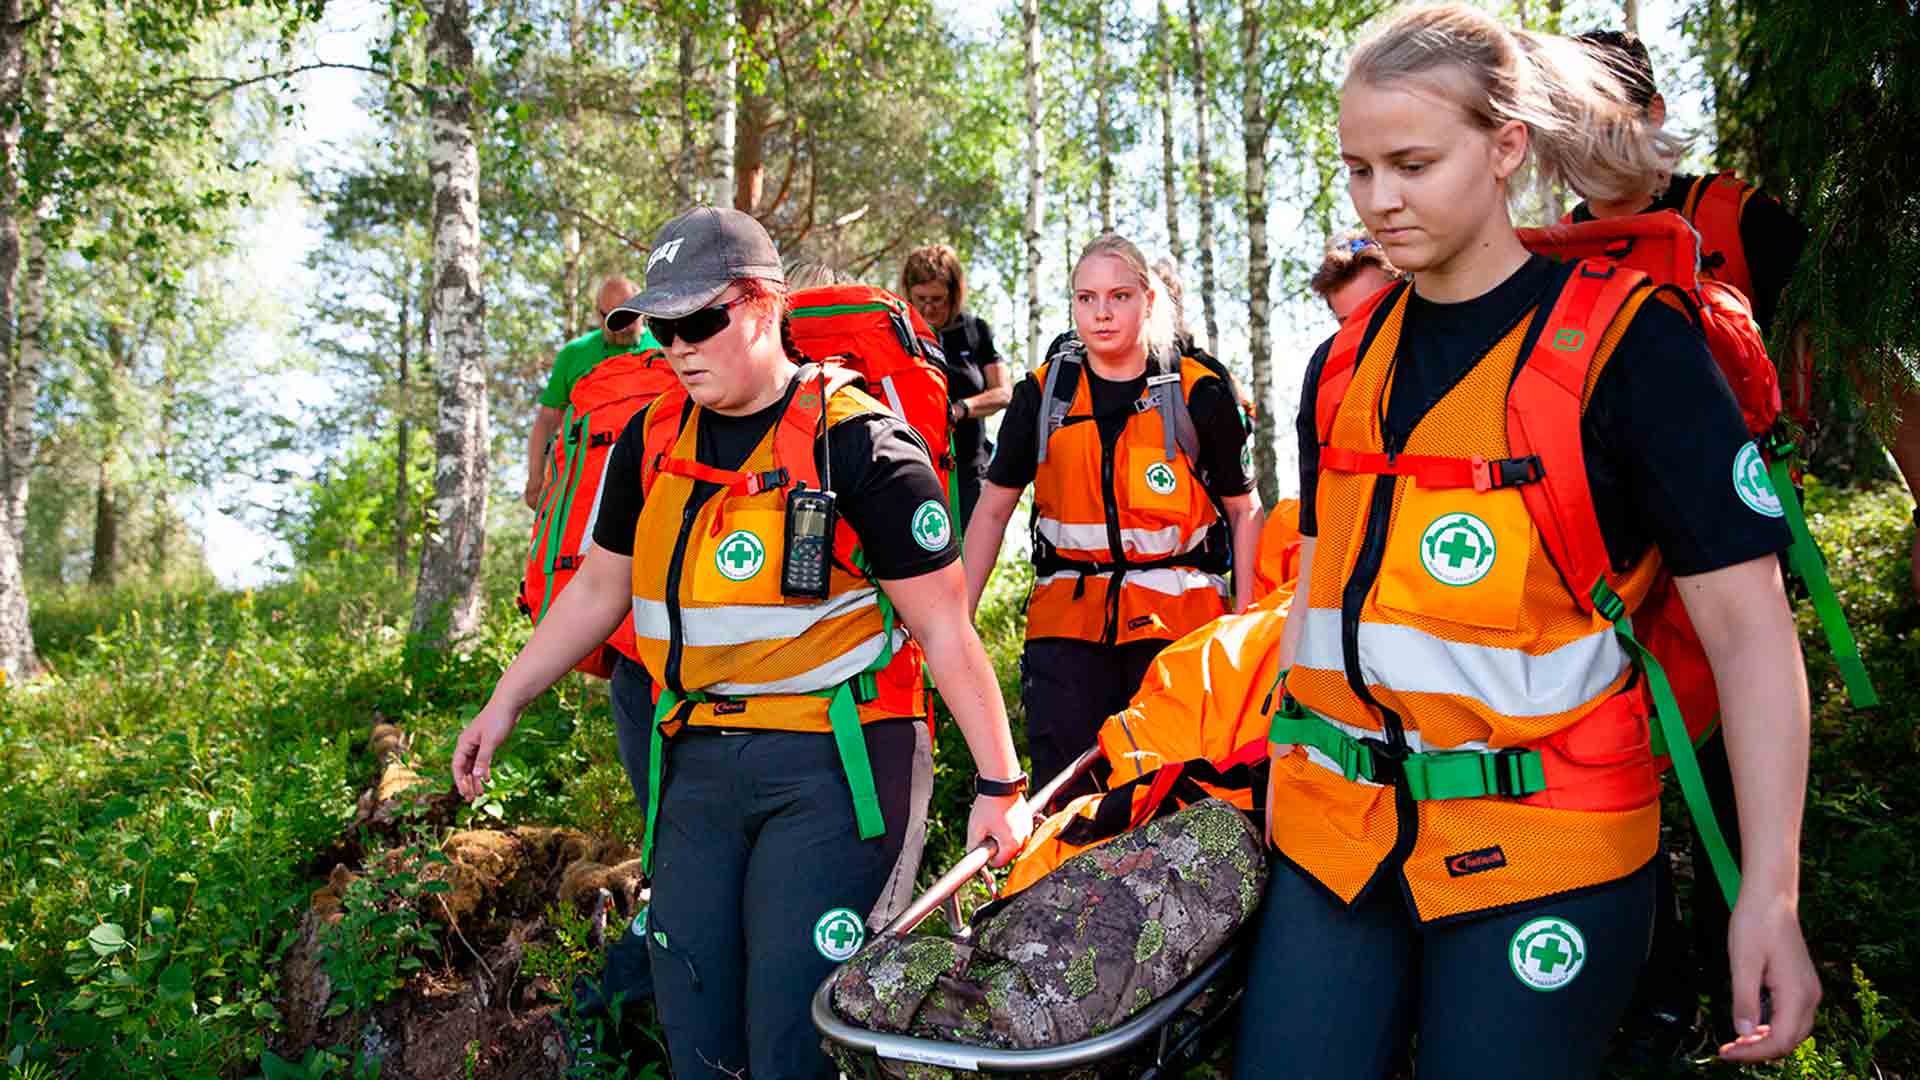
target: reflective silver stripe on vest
743 624
1165 580
1511 682
1139 543
824 677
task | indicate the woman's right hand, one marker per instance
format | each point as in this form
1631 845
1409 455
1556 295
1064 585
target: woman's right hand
1006 819
473 753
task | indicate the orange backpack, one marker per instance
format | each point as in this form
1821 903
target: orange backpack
602 402
1667 250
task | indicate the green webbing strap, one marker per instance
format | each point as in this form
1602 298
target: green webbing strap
1686 767
1807 565
574 463
953 490
1431 774
669 701
845 717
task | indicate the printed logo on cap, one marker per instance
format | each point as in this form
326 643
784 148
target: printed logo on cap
1457 549
665 252
1752 483
1547 953
838 934
739 556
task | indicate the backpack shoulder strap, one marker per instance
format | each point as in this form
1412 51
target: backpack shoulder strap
799 445
1343 356
1058 388
1543 420
1169 393
664 419
1713 206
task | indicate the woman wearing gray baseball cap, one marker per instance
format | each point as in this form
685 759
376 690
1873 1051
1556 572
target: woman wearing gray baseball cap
788 692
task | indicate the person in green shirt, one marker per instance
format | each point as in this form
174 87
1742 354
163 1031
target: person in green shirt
573 361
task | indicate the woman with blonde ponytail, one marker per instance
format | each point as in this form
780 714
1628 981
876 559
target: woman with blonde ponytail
1499 457
1134 445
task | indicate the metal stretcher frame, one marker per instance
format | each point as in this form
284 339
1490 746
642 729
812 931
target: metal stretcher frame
1137 1030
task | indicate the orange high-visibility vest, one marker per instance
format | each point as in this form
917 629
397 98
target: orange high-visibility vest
709 619
1168 575
1446 604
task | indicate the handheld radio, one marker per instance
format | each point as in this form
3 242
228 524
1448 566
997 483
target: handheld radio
809 546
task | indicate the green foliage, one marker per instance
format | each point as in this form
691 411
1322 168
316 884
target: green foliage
625 1042
375 945
345 516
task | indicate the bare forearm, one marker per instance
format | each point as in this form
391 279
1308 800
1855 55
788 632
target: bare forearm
1297 610
985 533
967 684
537 439
1245 521
1746 627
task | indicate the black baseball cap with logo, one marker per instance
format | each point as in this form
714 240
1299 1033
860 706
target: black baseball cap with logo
694 258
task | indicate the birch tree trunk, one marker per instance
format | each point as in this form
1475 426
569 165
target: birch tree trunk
20 369
1102 115
1170 166
1202 95
1036 172
449 587
1253 115
403 431
686 177
725 112
570 225
1630 15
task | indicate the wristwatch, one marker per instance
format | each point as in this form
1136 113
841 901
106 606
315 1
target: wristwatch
1000 788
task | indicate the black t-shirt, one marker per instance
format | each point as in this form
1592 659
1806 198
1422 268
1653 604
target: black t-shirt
1770 237
968 345
881 475
1661 432
1216 419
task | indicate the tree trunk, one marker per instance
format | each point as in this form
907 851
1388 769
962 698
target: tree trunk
725 111
448 594
1036 173
17 657
1630 15
755 109
1170 166
1102 118
106 524
403 432
685 175
570 225
1253 114
1202 95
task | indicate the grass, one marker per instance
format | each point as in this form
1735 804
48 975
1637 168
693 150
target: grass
165 799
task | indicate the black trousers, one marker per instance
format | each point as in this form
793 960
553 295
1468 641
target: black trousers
1687 962
632 693
761 886
1334 993
1068 688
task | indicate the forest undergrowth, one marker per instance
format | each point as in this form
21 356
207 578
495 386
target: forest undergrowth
176 796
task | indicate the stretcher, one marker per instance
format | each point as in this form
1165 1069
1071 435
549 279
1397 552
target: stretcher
1153 1043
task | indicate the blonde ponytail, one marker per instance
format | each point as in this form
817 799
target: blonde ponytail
1583 128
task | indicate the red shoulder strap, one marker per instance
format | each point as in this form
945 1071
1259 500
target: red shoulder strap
1543 420
1336 375
664 418
1714 206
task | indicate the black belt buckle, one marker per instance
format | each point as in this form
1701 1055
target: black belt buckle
1506 772
1389 761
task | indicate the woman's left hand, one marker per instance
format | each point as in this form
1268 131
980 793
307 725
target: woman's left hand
1006 819
1769 956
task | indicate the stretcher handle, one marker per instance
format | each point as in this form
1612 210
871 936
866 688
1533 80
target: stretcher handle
982 853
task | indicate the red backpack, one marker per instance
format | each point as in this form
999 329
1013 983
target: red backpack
883 339
602 402
1667 250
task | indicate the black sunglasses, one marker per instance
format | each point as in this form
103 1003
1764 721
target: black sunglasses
696 327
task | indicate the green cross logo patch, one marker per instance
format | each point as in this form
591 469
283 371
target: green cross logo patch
739 556
932 529
1752 484
1568 339
1160 478
1547 953
1457 549
839 934
1246 458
